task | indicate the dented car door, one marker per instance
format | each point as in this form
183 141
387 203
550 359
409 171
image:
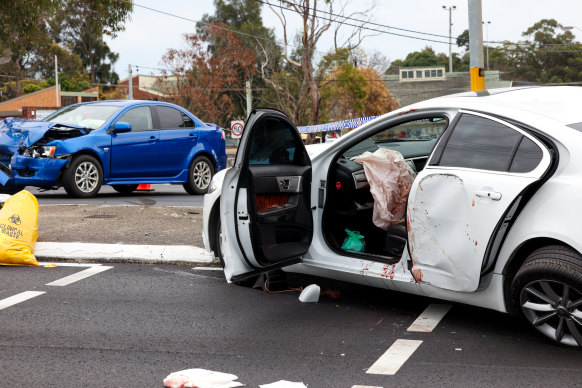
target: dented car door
478 172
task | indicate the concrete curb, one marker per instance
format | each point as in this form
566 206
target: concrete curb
122 253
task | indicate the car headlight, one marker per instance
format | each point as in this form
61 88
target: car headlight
213 185
40 151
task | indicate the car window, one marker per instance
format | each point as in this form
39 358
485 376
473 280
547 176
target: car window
480 143
187 121
273 142
412 139
91 116
170 118
140 118
527 157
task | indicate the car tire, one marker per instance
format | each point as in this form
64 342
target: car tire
200 173
124 189
548 289
84 177
217 242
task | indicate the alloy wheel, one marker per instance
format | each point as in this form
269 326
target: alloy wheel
202 175
553 308
86 177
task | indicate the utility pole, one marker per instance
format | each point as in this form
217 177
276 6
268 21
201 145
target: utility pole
249 97
57 81
130 83
451 8
476 46
486 24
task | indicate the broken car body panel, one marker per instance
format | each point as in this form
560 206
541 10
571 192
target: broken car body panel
453 213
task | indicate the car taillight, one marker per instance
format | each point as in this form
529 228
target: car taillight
269 201
222 134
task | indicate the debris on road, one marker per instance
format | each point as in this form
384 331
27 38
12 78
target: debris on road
200 378
283 384
310 294
19 229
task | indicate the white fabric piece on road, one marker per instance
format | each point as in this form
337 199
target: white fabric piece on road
201 378
79 276
430 318
364 386
283 384
26 295
391 361
145 253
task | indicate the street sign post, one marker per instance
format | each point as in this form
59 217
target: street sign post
236 128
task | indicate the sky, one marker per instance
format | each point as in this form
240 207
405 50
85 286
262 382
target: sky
149 34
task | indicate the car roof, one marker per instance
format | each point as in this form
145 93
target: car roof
561 103
125 102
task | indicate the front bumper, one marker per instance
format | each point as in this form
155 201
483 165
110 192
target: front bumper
30 171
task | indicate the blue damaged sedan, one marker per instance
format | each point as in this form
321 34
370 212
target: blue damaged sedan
119 143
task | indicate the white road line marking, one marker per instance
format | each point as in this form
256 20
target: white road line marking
391 361
26 295
430 318
43 263
79 276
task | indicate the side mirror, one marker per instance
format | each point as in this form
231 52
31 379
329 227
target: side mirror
121 127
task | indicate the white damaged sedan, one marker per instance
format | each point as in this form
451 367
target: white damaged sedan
477 202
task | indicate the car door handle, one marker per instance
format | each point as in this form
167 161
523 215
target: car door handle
152 139
489 194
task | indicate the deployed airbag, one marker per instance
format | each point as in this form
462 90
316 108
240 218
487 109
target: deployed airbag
390 179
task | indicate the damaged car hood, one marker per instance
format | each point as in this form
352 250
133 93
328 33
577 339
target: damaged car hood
18 133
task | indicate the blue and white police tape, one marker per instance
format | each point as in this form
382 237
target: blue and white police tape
336 125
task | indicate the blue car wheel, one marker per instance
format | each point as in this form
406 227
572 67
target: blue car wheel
199 176
84 177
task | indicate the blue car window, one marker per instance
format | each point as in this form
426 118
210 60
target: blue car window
188 122
140 118
89 116
169 118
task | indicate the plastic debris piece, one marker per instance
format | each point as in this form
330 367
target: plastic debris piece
354 242
283 384
53 265
458 349
310 294
200 378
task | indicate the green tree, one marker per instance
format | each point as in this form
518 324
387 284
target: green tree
23 30
244 17
81 26
552 56
204 80
463 40
343 90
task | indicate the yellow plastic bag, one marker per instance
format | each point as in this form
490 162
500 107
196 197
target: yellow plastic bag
19 229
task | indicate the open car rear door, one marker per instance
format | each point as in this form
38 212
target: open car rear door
266 198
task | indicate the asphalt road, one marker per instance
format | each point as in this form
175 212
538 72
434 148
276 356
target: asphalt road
132 325
162 195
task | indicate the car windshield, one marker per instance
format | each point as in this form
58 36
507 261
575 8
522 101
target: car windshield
88 116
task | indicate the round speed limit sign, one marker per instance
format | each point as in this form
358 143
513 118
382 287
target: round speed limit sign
236 127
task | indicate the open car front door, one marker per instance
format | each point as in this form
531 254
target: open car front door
266 198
